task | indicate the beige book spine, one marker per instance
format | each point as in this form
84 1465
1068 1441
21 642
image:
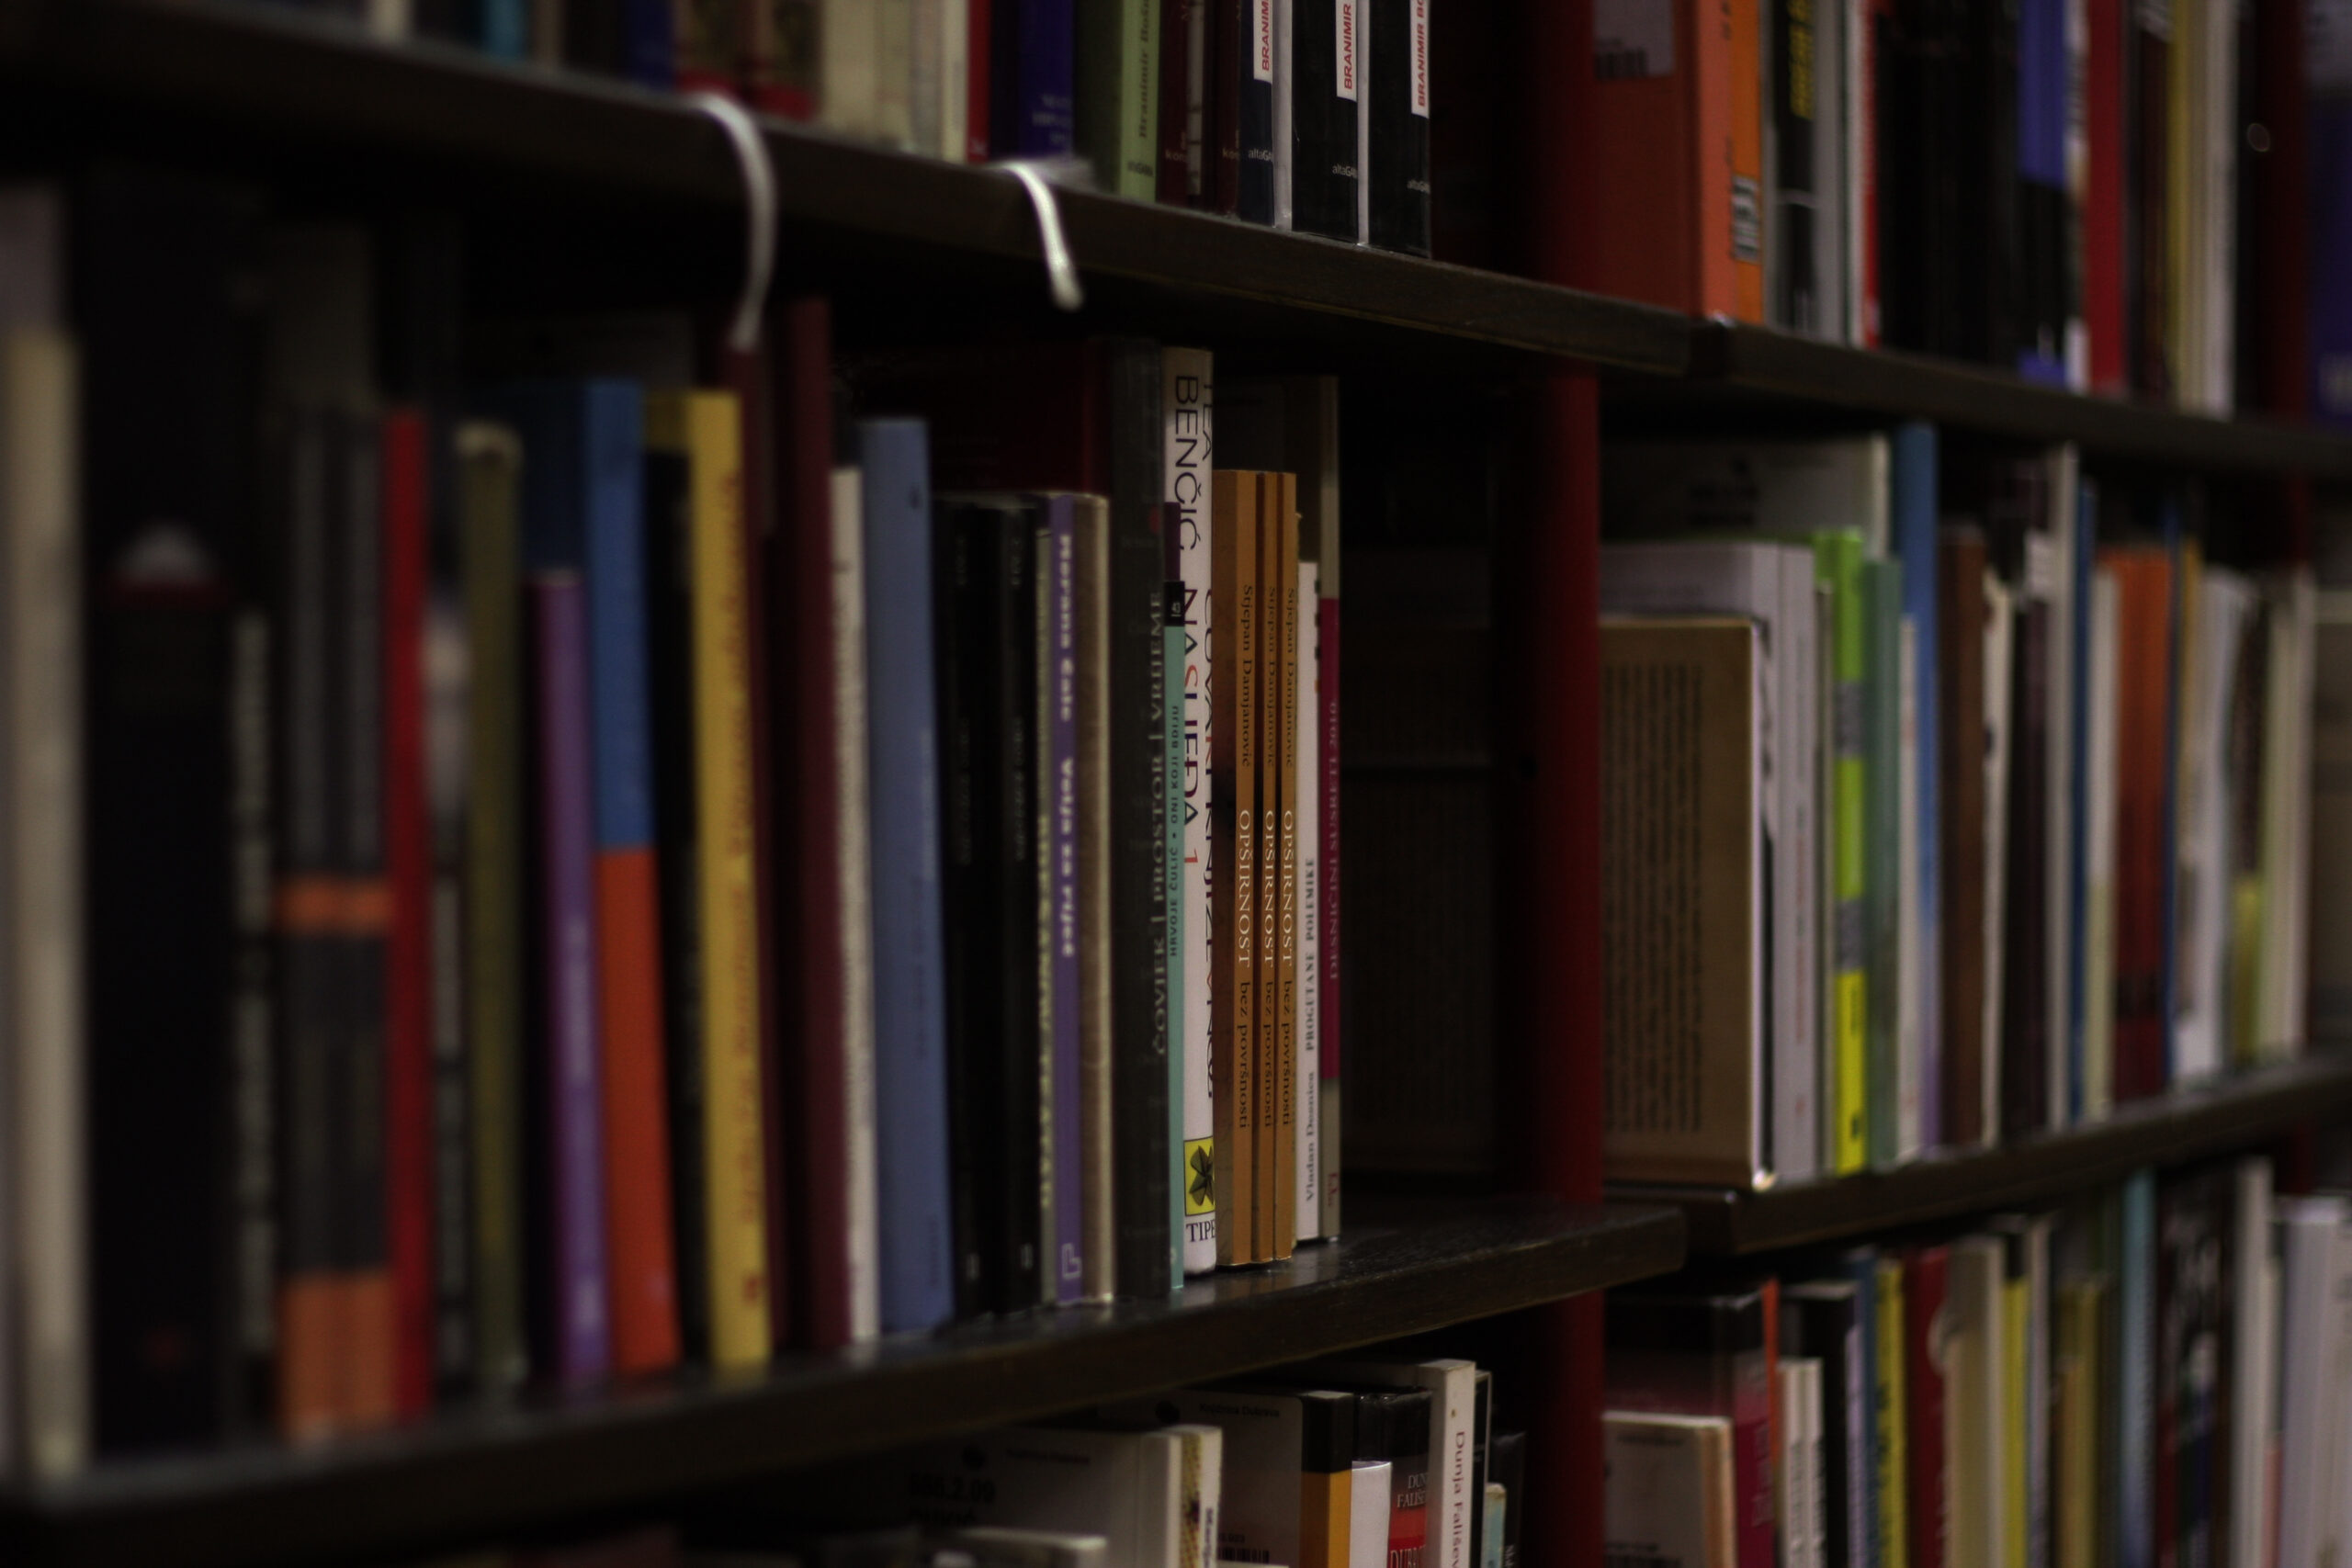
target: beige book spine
1284 1105
1267 1091
1233 788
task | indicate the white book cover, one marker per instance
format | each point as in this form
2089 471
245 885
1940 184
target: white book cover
2253 1370
2224 602
1453 1386
854 877
2063 467
1999 641
1188 403
1772 584
1669 1497
1307 1184
2103 692
1976 1497
2315 1361
1368 1514
1648 487
44 1346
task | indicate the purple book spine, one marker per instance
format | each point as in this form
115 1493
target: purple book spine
583 1337
1061 729
2330 81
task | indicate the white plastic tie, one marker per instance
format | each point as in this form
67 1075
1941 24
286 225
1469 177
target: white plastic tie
759 218
1061 272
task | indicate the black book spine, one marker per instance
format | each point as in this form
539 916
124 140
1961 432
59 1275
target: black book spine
1324 86
1798 307
967 556
1399 161
1250 74
1507 1462
1019 1188
166 295
252 1305
669 624
1998 308
1138 693
1825 1327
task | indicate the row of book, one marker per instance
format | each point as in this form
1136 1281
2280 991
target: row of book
1293 113
1373 1461
1951 797
545 851
2152 1374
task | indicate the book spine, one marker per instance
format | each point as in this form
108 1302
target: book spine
1960 717
408 854
1285 137
1744 24
1890 1426
1176 181
1118 95
579 1294
2103 216
1228 31
630 973
1925 1278
1838 562
962 557
2148 64
1914 471
1187 406
1095 926
1799 304
1328 866
1249 73
1174 640
979 60
1135 831
1270 1152
1307 918
648 44
909 1041
1037 117
707 40
707 426
1025 1187
2025 1037
1233 765
1881 594
1397 165
490 464
1058 727
448 690
1282 712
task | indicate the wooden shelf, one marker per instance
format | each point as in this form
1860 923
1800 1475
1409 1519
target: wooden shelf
469 1474
2234 1114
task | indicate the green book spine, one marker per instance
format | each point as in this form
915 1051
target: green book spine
1883 603
490 459
1838 556
1118 93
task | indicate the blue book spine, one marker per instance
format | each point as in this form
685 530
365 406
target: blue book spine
2042 71
1860 1266
910 997
648 43
2135 1420
1913 477
2167 991
2331 244
1060 843
550 417
2078 790
612 454
506 29
1173 656
1045 107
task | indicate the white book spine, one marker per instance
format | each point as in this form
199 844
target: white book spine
853 875
1308 1184
1453 1386
1285 116
1188 400
1368 1514
40 902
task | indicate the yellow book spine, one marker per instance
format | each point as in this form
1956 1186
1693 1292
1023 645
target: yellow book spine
2016 1314
1893 1463
1323 1504
707 427
1233 811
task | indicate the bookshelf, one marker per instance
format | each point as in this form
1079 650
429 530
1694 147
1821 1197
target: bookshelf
471 1473
275 89
2233 1114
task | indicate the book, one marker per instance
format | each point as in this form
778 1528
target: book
1286 1495
1927 1441
2315 1266
2250 1278
1672 1495
1234 806
2102 699
1799 1461
1393 1429
1821 1321
1091 928
1686 701
1062 1036
44 1392
1891 1072
705 429
1368 1506
1975 1372
2144 580
1396 171
1118 84
577 1326
2134 1419
1248 72
1705 1353
1329 89
1308 1165
1891 1425
1278 858
1174 639
910 1106
1032 97
1913 468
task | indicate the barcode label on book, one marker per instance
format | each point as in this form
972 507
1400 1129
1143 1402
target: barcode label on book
1632 38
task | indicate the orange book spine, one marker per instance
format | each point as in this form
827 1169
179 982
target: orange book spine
1744 97
641 1259
1661 164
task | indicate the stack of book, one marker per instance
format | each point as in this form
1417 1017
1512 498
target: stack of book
1293 113
2136 1377
545 852
1946 802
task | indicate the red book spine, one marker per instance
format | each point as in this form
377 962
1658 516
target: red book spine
2144 578
1925 1283
745 373
1875 16
809 820
981 55
641 1257
408 946
2103 292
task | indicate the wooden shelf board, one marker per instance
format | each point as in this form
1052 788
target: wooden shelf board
2233 1113
468 1474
